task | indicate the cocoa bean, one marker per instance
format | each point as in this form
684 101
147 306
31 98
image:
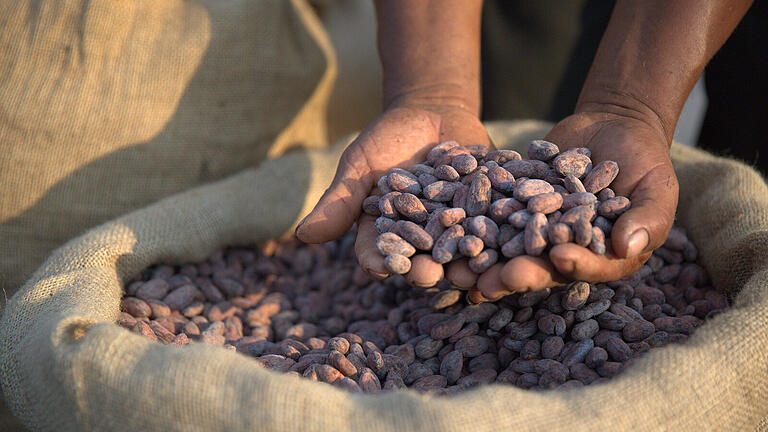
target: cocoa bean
542 150
387 205
153 289
447 173
576 295
403 181
470 246
577 199
392 244
411 207
442 191
371 205
574 164
397 264
536 235
545 203
464 163
601 176
446 246
501 209
559 233
530 188
483 261
478 196
614 207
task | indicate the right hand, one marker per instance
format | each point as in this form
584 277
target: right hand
400 137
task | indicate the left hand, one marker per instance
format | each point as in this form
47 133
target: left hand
645 176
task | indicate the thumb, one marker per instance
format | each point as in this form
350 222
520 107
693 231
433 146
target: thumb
645 226
341 203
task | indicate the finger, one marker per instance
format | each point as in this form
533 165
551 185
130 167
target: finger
527 273
490 285
341 203
645 226
369 258
459 274
578 263
425 272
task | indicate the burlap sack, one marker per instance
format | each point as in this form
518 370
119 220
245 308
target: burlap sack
107 106
65 366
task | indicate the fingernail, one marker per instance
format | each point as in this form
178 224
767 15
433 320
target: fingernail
298 227
638 241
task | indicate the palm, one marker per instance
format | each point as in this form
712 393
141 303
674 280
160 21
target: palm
646 177
400 137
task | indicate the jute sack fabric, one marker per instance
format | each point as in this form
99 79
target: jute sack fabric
65 366
108 106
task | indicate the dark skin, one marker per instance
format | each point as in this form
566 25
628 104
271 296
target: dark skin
651 56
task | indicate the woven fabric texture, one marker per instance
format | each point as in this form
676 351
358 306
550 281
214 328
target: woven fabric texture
108 106
64 365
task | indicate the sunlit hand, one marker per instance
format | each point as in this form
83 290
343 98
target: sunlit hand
645 176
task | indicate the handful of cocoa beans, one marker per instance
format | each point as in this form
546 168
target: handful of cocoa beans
472 202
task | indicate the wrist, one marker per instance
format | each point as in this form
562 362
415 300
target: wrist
435 97
622 103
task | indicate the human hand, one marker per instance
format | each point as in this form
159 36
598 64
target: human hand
400 137
645 176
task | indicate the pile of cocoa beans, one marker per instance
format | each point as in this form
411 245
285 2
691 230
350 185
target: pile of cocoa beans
309 311
472 202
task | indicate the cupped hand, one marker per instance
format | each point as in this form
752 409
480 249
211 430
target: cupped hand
645 176
400 137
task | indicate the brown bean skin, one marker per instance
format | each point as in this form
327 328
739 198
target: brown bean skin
545 203
470 245
383 224
397 264
530 188
601 176
581 212
387 205
606 194
573 184
582 232
464 163
447 173
460 197
483 261
614 207
501 179
502 156
578 199
559 233
542 150
519 219
515 246
484 228
500 209
411 207
597 245
519 168
403 181
392 244
575 164
371 206
478 196
447 245
536 235
441 191
452 216
413 234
